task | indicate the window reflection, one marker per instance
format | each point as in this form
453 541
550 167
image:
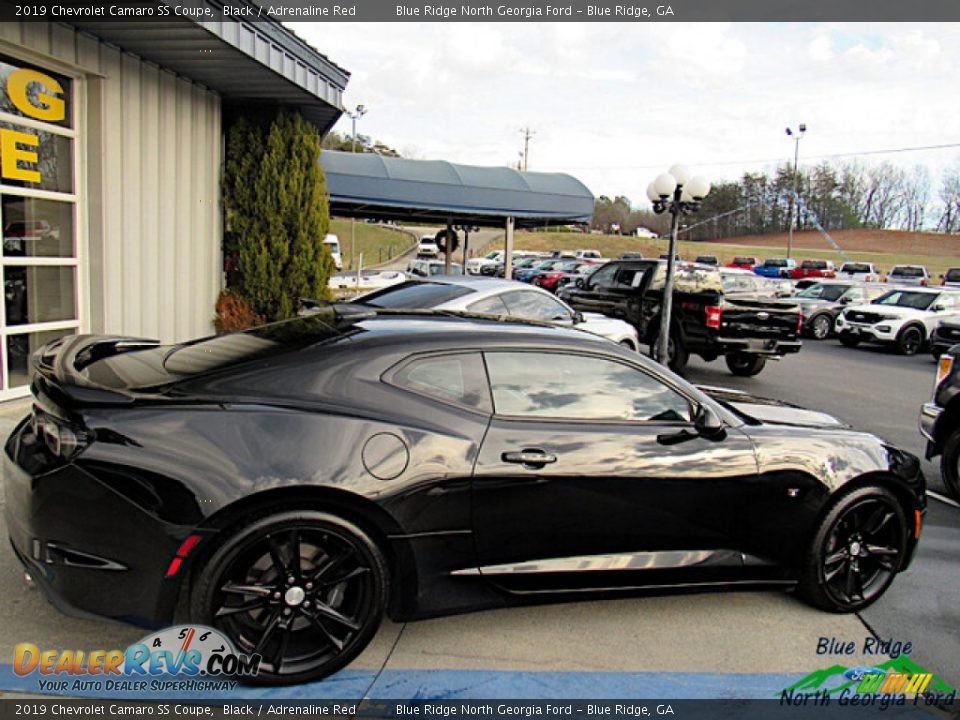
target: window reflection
573 386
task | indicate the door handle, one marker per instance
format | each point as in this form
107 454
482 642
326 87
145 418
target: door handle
530 458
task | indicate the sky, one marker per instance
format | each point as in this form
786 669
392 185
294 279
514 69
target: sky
615 104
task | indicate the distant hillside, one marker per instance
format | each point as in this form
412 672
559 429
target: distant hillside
896 242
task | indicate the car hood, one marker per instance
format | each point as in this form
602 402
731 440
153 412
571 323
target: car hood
772 412
600 324
892 311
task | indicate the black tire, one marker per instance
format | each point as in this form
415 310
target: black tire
848 340
677 353
744 364
857 549
910 340
950 464
820 326
307 591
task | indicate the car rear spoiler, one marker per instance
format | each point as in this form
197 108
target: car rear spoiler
58 368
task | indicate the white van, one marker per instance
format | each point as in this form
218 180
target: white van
332 242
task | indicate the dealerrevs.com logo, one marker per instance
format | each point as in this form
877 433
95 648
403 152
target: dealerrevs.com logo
183 657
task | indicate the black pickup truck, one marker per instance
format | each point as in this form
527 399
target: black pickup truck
745 329
940 419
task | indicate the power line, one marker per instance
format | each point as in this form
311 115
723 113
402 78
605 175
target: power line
770 160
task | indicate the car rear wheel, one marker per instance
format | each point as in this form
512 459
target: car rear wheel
950 464
848 340
909 340
744 364
306 590
820 327
857 549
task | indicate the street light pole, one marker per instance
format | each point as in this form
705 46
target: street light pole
796 180
679 194
354 116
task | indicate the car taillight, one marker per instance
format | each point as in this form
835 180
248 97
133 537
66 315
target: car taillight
800 323
714 313
943 369
60 439
923 282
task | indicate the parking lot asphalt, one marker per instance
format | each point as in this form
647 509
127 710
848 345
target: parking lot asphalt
719 644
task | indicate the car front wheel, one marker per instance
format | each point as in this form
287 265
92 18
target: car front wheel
820 327
909 340
306 590
857 549
849 340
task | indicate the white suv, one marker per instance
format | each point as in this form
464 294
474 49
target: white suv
475 265
903 317
909 275
428 247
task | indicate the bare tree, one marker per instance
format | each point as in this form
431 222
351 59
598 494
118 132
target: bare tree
950 198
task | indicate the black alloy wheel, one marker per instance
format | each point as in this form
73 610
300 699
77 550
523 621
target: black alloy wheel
857 550
950 464
744 364
306 590
910 340
820 327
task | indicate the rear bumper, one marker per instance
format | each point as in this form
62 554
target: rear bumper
91 549
760 346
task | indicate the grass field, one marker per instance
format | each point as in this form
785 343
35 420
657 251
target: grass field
377 243
885 248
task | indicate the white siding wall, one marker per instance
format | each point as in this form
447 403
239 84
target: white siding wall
150 172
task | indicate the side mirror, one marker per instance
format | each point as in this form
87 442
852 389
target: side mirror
579 283
938 308
708 424
846 300
578 318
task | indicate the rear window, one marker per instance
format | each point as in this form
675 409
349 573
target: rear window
744 261
255 344
907 271
414 295
814 265
856 268
953 275
775 262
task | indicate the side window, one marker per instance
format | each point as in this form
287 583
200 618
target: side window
577 387
603 278
630 277
532 305
459 379
489 306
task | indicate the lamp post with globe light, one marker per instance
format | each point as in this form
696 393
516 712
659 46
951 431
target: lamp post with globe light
796 182
358 113
676 192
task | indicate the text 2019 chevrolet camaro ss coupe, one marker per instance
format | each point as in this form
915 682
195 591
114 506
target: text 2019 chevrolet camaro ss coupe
290 484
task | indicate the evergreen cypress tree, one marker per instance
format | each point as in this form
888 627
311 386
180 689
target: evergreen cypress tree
278 214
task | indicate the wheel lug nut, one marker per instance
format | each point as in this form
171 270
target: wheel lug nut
291 580
306 603
276 596
286 611
309 586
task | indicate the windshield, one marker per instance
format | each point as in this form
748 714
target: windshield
907 299
413 295
823 292
493 255
439 269
775 262
907 271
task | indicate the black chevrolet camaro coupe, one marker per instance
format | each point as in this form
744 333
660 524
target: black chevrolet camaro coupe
291 484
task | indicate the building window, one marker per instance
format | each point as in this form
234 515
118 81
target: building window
38 216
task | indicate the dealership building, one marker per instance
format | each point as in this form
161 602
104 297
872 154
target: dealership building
111 154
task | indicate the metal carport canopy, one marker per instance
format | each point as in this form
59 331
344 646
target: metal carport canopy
366 185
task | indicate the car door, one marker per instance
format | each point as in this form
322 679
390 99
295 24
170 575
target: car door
598 293
591 463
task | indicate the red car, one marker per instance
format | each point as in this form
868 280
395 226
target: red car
814 269
552 279
745 262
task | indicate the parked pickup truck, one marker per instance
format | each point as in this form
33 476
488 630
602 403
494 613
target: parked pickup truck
741 327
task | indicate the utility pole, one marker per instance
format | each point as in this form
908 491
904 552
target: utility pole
358 113
527 134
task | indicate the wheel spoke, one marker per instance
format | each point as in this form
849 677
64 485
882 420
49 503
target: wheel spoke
276 555
295 560
259 590
829 575
849 582
277 655
835 557
334 640
858 583
226 610
356 572
877 521
881 550
332 564
268 631
329 612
